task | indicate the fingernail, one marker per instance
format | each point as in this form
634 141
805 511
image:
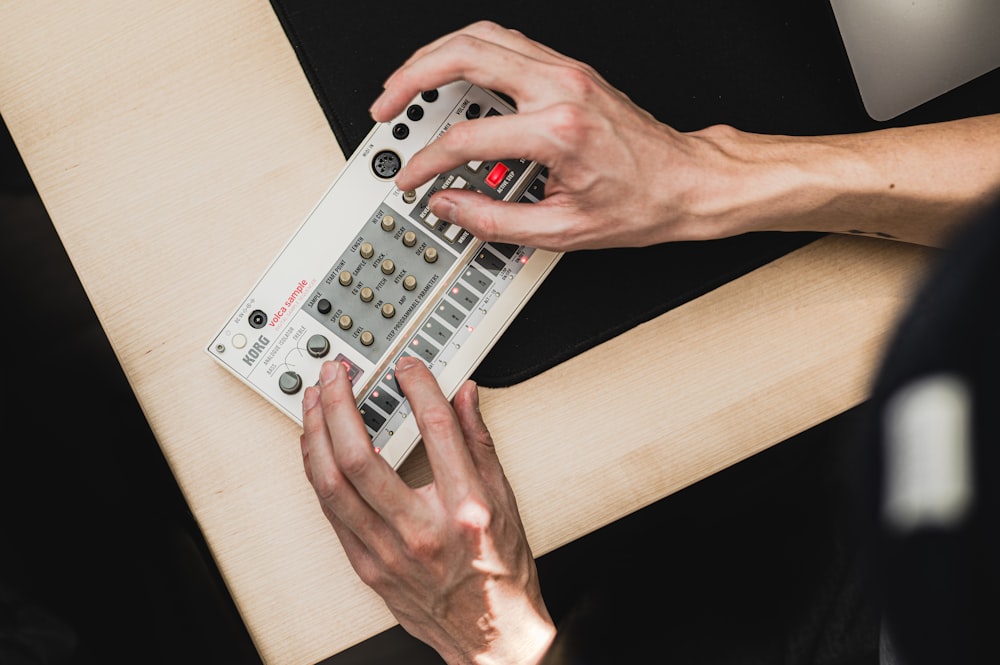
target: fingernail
443 207
310 398
406 363
330 372
475 395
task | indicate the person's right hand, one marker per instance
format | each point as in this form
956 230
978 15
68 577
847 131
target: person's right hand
616 176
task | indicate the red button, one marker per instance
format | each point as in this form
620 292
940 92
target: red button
496 174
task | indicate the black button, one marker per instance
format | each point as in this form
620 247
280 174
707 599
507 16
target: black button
491 262
324 306
505 248
384 400
429 95
373 419
415 112
473 111
400 131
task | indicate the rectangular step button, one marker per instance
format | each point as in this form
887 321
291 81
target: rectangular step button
383 399
423 348
463 296
437 331
372 418
452 315
490 261
505 248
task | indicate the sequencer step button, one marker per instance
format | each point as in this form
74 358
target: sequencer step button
373 419
290 383
384 400
422 348
463 296
318 346
476 279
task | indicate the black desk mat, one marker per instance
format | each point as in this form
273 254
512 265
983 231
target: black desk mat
772 67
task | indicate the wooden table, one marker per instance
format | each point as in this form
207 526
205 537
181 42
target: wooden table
176 146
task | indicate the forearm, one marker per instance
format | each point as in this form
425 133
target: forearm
914 184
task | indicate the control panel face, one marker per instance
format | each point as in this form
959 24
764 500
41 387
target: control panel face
372 275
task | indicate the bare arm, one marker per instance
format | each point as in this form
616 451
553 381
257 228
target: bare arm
619 177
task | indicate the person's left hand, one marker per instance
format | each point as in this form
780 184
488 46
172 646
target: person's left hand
450 559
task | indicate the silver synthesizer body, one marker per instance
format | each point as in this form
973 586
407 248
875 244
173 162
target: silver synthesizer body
371 275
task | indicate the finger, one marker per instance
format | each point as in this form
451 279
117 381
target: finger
335 492
492 138
477 435
553 223
465 58
353 456
442 436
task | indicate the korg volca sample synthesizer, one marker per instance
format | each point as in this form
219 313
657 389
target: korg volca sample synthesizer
372 275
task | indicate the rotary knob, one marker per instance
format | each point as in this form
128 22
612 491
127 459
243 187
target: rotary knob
290 383
318 346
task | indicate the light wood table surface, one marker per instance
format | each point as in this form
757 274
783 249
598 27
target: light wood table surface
177 145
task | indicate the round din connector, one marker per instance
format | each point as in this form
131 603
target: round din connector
386 164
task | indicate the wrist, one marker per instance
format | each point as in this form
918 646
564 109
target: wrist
752 182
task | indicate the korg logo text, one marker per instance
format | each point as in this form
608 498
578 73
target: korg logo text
256 350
